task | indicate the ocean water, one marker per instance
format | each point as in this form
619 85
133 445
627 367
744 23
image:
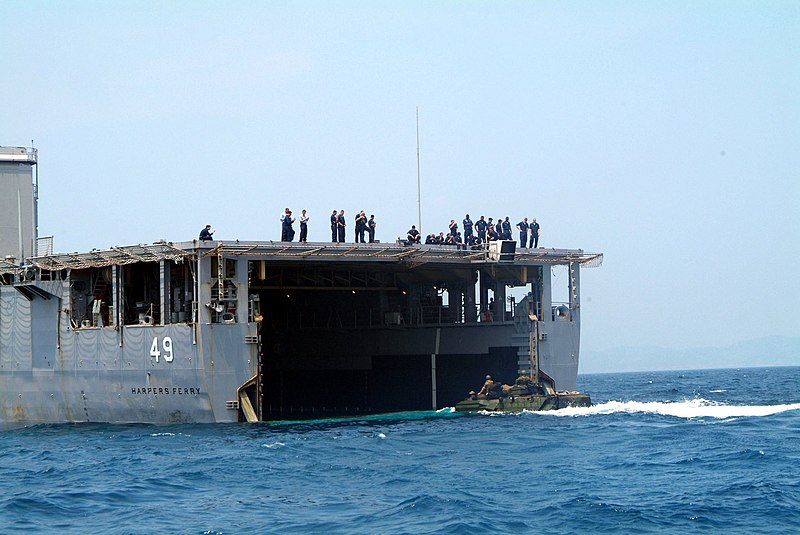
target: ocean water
667 452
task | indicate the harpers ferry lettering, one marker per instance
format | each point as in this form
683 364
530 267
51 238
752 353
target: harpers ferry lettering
165 390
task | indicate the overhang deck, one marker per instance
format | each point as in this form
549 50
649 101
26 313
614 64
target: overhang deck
312 251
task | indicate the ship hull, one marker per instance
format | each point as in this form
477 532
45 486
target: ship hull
196 332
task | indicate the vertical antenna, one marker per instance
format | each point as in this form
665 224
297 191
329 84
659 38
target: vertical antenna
419 195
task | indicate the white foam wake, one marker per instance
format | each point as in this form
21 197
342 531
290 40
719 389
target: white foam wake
695 408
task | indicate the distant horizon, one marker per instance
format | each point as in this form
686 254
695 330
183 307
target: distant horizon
692 369
765 351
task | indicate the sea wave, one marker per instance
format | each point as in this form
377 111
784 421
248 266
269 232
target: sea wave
694 408
657 459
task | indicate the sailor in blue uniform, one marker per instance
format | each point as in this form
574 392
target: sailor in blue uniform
371 224
534 228
287 230
522 227
467 227
459 241
206 234
413 235
341 224
361 226
476 242
303 226
334 227
285 225
290 221
480 226
453 227
498 227
507 229
284 215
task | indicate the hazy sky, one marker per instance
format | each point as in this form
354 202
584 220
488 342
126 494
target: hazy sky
663 134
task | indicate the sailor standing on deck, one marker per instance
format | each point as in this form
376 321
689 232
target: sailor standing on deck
480 226
303 226
334 227
361 226
467 227
284 215
287 226
534 228
522 226
507 229
341 224
453 227
371 224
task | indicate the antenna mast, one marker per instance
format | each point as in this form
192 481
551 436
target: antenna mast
419 194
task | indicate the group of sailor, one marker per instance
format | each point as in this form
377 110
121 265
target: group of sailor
287 222
480 232
362 226
475 234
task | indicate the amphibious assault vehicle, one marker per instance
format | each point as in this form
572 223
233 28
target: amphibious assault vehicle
524 395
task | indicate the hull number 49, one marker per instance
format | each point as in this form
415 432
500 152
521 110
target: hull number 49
166 345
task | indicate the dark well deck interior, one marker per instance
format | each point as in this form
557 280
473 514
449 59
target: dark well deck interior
360 336
361 339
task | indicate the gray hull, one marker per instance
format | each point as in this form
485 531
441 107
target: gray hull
56 366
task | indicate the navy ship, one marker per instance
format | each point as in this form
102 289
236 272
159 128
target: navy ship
211 331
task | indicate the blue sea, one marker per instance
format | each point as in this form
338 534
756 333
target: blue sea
659 452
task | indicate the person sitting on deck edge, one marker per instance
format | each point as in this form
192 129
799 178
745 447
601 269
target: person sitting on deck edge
413 235
206 234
